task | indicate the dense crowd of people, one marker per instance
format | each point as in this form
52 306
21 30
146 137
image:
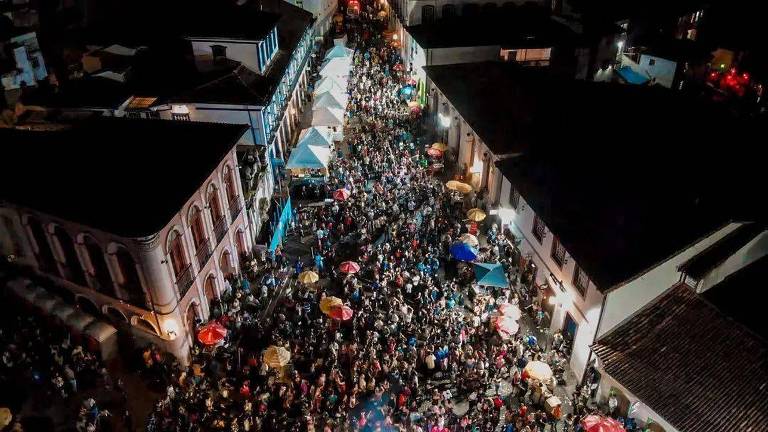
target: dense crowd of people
411 350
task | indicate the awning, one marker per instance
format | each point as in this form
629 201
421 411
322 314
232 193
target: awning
316 136
491 275
337 67
337 85
327 117
338 51
309 157
330 99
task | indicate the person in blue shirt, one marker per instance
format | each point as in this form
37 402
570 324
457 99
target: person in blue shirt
319 262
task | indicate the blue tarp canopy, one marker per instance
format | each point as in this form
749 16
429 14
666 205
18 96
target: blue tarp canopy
282 226
463 252
337 52
630 76
309 157
491 275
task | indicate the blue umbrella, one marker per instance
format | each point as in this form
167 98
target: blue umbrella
491 275
463 252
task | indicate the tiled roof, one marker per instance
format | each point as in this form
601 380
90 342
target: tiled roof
697 368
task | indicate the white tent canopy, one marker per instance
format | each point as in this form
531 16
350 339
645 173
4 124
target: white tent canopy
338 51
309 157
329 99
316 136
334 84
327 117
337 67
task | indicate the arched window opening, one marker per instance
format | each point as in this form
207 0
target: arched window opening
74 269
99 273
131 283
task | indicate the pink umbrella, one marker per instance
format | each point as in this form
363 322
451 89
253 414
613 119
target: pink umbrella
596 423
434 152
340 312
349 267
505 325
510 310
341 194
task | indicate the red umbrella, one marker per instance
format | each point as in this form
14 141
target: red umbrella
434 152
398 67
596 423
341 312
211 333
341 194
349 267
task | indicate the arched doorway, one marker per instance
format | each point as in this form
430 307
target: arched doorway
88 306
210 289
72 261
44 254
131 284
100 276
225 264
240 242
191 319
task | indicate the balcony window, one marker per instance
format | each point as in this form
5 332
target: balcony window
539 230
199 238
131 284
558 252
580 280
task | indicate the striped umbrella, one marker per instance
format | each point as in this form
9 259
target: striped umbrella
276 356
341 194
308 277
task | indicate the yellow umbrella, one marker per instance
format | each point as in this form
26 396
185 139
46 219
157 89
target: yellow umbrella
308 277
458 186
327 303
475 215
439 146
469 239
538 370
5 417
276 356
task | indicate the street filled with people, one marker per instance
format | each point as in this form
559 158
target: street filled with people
385 326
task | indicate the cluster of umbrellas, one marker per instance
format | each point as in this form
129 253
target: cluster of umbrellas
466 248
334 308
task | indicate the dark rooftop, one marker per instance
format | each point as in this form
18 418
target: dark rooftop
740 296
510 30
628 177
690 364
705 261
246 22
126 177
243 86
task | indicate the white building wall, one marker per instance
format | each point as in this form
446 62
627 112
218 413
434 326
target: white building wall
585 309
625 301
607 383
751 252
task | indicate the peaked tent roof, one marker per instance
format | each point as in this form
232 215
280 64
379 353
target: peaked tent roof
337 67
331 83
315 136
309 157
338 51
327 117
329 99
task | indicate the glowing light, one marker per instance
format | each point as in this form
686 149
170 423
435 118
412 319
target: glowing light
179 109
444 120
394 37
620 44
722 65
551 300
171 327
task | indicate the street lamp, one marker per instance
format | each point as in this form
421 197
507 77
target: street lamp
444 116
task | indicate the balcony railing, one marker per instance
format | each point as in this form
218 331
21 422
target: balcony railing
235 207
220 229
184 279
203 252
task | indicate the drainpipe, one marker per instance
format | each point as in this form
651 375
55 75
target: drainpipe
599 320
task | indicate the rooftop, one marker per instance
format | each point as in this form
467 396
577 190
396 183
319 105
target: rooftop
627 179
707 260
691 364
243 86
740 296
122 176
516 29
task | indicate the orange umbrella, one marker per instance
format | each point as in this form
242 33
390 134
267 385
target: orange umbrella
211 333
596 423
327 303
349 267
340 312
277 356
341 194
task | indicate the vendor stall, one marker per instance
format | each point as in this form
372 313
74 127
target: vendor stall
327 117
101 338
